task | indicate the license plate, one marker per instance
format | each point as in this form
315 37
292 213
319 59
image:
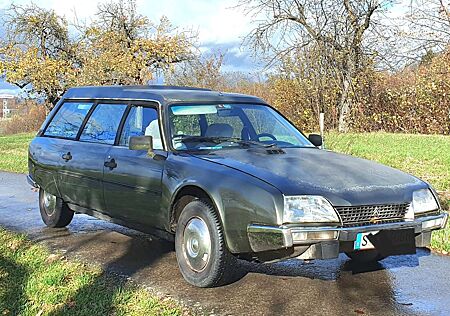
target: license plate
362 241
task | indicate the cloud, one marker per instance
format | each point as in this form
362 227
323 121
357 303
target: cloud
237 57
219 23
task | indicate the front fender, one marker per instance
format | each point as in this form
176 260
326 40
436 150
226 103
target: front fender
239 198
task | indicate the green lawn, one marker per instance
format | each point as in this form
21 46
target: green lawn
35 282
14 151
425 156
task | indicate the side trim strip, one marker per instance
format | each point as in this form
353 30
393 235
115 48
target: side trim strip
32 182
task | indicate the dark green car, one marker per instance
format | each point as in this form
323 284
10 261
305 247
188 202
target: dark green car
224 175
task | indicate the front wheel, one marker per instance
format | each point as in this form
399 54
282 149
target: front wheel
54 212
365 256
202 255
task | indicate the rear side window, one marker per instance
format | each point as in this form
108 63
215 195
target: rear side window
67 121
103 124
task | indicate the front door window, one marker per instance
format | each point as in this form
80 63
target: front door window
142 121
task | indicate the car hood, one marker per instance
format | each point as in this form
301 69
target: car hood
343 179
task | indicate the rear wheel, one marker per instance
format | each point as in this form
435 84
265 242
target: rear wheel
202 255
365 256
54 212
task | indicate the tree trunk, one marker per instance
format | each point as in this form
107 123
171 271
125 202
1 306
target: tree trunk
345 104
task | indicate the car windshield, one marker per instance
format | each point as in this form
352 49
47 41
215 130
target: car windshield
220 126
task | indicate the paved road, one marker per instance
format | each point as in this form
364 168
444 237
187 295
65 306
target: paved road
402 285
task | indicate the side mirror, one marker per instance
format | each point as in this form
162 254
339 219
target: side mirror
315 139
141 143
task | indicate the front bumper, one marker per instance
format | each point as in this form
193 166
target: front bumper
268 238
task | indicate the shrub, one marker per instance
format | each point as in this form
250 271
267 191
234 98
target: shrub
31 118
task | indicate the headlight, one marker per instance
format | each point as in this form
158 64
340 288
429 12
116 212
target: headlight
423 201
308 209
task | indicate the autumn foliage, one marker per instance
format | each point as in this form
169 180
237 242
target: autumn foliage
39 54
414 100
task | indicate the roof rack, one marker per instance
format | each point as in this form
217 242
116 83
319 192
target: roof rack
164 87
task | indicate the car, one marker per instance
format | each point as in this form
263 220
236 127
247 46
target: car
225 176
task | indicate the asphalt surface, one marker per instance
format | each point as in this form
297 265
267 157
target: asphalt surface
403 285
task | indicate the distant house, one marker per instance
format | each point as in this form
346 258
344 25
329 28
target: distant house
8 104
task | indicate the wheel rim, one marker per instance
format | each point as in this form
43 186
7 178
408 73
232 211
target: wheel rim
49 201
196 244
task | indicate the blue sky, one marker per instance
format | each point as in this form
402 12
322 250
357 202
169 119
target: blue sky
219 24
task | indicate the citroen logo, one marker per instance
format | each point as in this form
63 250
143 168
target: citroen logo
375 215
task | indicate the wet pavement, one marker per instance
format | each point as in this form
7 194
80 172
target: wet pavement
404 285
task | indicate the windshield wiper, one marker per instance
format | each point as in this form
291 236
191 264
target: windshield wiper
211 139
222 139
255 143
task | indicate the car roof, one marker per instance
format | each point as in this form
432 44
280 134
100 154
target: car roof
160 93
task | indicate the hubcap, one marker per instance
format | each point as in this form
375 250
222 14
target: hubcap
49 203
197 244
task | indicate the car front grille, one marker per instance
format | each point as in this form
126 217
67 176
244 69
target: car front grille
372 214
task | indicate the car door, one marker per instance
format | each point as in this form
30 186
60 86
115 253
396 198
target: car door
50 150
82 175
132 183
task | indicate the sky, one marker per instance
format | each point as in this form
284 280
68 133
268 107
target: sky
221 26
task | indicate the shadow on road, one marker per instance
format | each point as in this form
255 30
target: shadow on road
97 298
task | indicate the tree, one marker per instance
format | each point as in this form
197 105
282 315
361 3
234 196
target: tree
428 27
336 28
202 72
35 52
41 55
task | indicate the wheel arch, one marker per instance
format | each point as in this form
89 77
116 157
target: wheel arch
184 195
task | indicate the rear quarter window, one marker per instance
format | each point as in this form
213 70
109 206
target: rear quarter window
67 121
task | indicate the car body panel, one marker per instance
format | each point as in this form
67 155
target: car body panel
45 163
161 94
344 180
81 179
132 190
239 199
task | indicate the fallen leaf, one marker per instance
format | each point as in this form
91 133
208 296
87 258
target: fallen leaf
358 311
52 258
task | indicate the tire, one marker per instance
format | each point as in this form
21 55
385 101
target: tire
365 256
54 212
199 231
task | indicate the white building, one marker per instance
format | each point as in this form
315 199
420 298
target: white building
8 104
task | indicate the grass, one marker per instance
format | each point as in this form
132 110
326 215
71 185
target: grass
35 282
425 156
14 152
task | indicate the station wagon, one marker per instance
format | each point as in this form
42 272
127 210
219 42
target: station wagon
225 176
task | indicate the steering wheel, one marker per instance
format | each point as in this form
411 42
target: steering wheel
266 135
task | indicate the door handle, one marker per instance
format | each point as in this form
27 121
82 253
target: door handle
67 156
111 164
